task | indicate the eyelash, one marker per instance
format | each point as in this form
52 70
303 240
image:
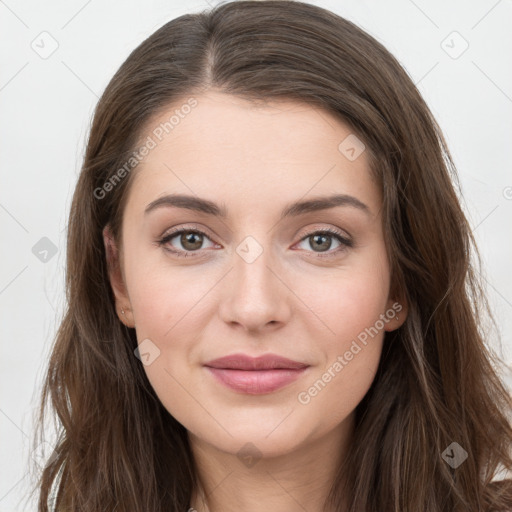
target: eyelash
345 242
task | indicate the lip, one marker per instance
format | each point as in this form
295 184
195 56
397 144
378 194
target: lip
255 375
264 362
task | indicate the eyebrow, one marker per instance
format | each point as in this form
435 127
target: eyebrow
294 209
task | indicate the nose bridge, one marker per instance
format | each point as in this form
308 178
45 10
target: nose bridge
255 296
253 266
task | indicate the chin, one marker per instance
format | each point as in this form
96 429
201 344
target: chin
257 440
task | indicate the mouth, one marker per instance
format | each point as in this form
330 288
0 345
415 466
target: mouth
255 376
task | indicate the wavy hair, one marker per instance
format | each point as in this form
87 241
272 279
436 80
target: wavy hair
437 383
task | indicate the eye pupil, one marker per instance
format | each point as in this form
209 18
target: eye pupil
324 246
187 238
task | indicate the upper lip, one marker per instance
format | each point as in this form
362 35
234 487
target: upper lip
264 362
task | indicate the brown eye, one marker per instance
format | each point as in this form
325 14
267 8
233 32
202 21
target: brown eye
191 241
321 242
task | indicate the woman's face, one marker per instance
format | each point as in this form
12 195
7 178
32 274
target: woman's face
262 277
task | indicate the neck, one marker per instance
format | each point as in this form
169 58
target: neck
298 480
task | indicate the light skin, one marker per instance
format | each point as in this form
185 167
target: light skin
290 301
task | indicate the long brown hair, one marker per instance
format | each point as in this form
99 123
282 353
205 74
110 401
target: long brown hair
437 384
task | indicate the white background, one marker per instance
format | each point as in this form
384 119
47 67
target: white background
46 108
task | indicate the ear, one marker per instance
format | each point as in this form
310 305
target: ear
396 312
123 305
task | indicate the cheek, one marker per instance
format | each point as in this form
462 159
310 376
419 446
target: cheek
353 306
357 308
351 355
336 390
162 297
352 301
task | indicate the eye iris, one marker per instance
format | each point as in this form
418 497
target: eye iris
187 238
324 240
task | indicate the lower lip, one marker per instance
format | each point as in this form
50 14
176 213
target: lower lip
256 382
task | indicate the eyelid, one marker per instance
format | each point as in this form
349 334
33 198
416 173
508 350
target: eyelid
187 227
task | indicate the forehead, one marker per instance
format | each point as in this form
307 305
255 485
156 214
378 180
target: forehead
265 151
223 122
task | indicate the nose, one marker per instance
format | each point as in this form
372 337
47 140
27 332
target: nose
256 295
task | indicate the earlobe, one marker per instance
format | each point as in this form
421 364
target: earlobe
123 307
396 313
127 317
